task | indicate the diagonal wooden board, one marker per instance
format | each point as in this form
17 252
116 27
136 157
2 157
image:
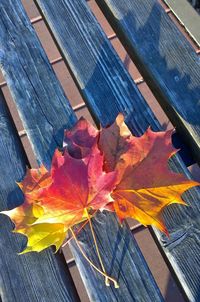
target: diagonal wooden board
164 57
45 112
32 277
187 16
107 88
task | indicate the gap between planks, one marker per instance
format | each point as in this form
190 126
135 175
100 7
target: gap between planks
110 37
59 59
71 262
82 105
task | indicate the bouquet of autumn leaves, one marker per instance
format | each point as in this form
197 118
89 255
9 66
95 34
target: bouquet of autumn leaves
98 170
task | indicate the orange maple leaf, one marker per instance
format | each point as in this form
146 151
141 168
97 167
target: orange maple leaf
145 183
108 169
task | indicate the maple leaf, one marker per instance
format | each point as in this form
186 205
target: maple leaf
146 185
108 169
62 197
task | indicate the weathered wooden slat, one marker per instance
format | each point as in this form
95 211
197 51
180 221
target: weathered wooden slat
122 260
164 57
32 84
33 277
107 88
188 17
99 73
45 112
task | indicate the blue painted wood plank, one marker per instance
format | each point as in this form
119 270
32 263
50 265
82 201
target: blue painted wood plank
98 72
33 277
107 88
45 112
164 57
32 84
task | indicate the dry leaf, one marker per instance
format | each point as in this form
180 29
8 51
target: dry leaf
61 200
108 169
147 185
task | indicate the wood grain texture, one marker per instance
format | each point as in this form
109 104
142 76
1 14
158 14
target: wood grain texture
97 70
91 58
31 277
122 260
164 57
32 82
45 112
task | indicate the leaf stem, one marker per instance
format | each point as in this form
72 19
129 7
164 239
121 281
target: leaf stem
97 249
92 264
77 232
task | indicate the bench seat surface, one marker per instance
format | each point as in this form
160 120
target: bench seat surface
45 112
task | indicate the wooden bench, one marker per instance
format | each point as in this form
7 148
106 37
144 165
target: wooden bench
170 66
